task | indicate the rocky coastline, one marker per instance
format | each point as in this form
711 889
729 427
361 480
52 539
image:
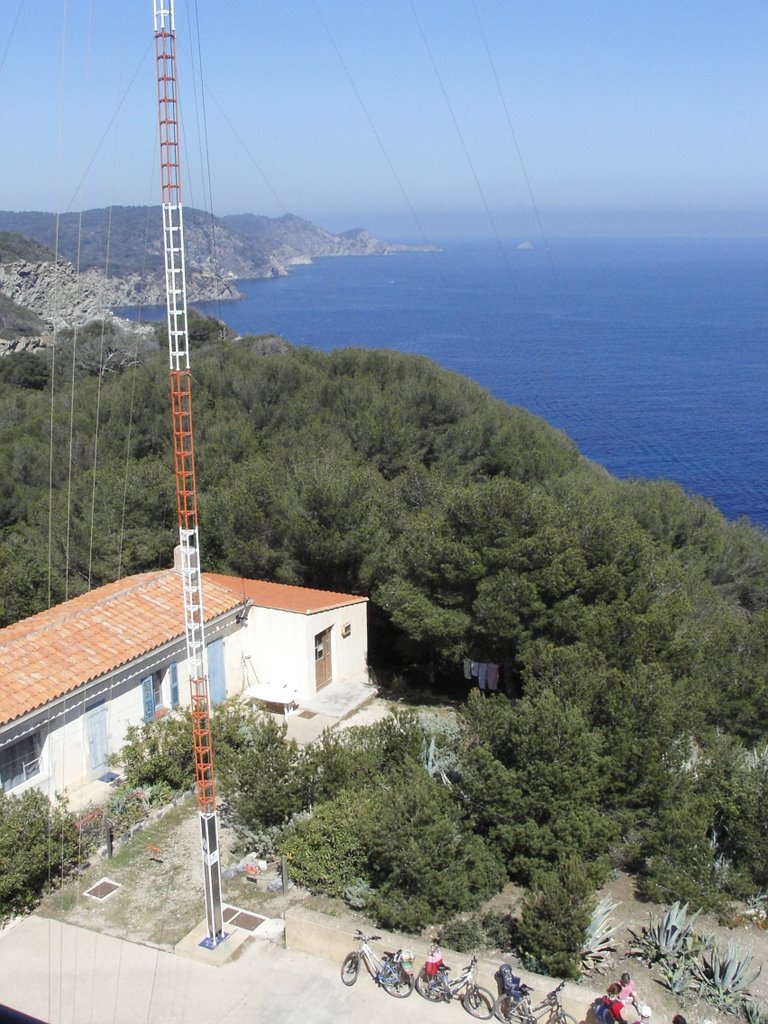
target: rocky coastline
40 294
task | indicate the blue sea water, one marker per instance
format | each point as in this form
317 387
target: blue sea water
651 354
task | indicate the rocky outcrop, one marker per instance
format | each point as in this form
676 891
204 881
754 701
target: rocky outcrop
31 344
63 298
53 290
138 290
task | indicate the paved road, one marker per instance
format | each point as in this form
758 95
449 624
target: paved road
67 975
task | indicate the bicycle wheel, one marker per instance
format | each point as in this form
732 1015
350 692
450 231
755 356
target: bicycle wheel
350 968
478 1002
508 1011
428 987
396 982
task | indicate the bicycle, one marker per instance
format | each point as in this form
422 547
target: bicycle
434 984
390 970
550 1010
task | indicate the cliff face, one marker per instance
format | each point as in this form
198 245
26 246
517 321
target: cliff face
53 291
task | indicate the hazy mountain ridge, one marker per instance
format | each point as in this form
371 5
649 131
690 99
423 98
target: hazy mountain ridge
127 240
120 259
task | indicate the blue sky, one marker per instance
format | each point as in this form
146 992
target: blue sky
351 112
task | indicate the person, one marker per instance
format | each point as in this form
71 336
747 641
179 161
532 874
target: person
627 992
611 1005
645 1014
434 957
679 1019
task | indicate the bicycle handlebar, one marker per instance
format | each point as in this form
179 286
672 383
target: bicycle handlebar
553 994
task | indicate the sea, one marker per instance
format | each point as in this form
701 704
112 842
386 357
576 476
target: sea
652 354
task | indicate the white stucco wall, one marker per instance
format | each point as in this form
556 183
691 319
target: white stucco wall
62 727
281 646
267 646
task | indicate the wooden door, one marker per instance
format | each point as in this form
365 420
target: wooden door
323 665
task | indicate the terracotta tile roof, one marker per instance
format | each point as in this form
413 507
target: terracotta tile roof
55 651
283 596
52 653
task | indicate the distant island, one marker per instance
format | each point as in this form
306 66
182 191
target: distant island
120 259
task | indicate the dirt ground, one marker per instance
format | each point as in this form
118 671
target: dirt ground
161 899
632 915
161 896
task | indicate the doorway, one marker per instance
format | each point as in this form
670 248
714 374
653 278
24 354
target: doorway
96 721
323 664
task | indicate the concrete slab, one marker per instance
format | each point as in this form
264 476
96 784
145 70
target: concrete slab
190 945
306 730
339 699
331 708
67 975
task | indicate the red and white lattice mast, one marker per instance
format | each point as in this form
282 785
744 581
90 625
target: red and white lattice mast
184 457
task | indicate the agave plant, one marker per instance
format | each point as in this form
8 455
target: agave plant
757 905
677 975
438 762
726 974
671 937
597 947
754 1012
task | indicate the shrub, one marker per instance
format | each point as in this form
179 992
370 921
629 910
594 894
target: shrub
257 770
126 807
397 910
358 894
500 930
39 845
420 857
159 752
554 920
324 850
464 934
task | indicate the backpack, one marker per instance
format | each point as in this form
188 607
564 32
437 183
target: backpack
603 1012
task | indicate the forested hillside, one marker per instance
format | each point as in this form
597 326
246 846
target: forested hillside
629 617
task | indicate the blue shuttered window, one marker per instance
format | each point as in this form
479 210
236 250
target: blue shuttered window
217 684
148 697
173 675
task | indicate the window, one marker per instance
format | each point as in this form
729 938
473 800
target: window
19 761
346 630
173 678
157 690
152 696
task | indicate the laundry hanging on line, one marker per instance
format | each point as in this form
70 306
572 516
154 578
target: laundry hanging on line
485 672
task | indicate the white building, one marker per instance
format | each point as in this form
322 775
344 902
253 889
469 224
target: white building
73 678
